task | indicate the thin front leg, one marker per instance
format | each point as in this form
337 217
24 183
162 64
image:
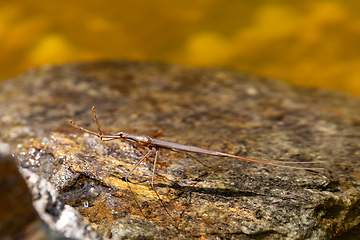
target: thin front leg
126 179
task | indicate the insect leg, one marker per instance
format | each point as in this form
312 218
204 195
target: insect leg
127 181
190 155
152 186
197 160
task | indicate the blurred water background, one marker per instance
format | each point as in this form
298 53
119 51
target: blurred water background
307 43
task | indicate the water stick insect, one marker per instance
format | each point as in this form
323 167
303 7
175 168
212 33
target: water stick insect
154 145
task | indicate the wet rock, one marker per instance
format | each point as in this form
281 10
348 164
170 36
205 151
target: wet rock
18 218
210 108
17 213
62 218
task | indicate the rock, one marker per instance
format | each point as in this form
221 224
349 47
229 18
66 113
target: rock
59 217
214 109
18 217
17 213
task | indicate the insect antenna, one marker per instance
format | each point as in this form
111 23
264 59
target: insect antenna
83 129
97 123
98 134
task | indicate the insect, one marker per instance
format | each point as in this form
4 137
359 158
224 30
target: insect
154 145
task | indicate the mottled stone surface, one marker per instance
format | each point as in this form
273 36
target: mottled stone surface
210 108
64 219
16 211
18 217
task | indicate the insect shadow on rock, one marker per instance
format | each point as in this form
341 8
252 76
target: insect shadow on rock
154 145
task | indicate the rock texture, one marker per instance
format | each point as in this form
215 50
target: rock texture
17 214
18 217
210 108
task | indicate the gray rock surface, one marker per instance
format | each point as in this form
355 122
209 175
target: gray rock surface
211 108
62 218
18 218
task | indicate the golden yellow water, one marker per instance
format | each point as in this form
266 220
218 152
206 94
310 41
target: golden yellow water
308 43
